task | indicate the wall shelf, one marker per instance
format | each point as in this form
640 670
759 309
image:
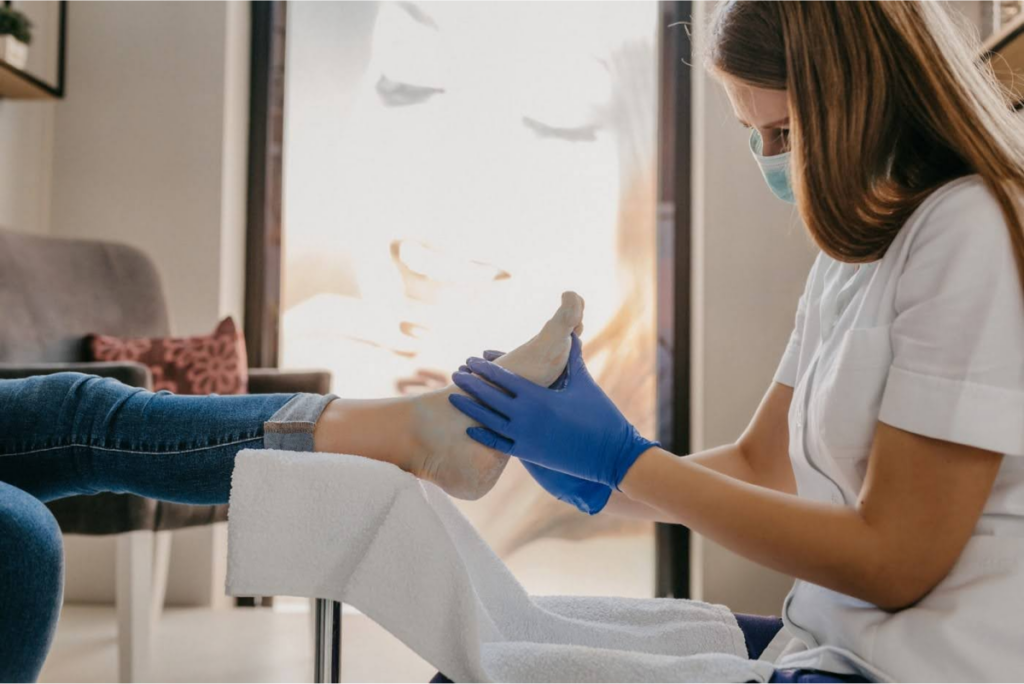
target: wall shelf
15 84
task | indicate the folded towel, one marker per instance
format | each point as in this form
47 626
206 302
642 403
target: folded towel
367 534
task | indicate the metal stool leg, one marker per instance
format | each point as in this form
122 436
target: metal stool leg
327 667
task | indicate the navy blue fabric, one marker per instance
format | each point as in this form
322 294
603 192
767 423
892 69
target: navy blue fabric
779 677
758 632
802 676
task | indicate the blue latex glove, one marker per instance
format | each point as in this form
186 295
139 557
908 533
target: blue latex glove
576 430
589 497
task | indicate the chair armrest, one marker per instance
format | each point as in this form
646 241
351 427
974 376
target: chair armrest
274 381
129 372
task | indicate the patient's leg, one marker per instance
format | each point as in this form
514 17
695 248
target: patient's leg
426 436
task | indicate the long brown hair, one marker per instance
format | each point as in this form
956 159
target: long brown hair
887 103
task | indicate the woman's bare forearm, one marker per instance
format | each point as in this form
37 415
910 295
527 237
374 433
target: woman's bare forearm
827 545
729 460
760 457
621 506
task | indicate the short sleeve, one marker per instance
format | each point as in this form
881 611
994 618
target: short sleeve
958 333
786 373
789 365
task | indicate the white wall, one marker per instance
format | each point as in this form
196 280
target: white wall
150 144
150 148
26 140
750 260
981 14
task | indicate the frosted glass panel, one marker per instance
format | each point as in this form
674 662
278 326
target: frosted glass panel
450 169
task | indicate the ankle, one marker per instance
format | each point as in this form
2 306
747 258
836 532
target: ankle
381 429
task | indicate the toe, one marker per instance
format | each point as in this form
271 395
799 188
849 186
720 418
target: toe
570 314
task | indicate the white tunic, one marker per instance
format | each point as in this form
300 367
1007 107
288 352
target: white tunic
929 339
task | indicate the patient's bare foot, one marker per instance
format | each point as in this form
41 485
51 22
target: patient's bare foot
448 457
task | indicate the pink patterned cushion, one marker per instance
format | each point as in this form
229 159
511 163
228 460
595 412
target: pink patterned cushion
206 364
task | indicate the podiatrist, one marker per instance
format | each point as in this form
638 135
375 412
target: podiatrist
884 468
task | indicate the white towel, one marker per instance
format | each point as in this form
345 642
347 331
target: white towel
367 534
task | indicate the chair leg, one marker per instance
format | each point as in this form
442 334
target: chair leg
161 566
327 642
134 602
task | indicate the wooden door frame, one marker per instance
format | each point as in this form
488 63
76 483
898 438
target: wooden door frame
672 542
263 216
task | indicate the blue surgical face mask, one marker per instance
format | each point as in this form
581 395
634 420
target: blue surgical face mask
775 169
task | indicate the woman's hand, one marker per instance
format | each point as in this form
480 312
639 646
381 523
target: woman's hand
576 430
589 497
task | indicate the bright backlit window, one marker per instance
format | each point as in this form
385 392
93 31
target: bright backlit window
450 169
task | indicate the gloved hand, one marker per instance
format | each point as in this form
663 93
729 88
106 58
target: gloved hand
576 430
589 497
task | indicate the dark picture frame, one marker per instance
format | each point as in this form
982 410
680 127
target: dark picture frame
30 86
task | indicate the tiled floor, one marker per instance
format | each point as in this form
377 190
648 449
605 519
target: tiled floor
236 645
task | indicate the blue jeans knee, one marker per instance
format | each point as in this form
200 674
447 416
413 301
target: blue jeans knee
31 583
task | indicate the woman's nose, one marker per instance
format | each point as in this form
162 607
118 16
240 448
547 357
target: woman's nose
772 143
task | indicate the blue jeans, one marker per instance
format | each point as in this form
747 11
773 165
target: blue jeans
68 434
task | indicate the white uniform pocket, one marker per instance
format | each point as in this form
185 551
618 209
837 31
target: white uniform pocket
849 394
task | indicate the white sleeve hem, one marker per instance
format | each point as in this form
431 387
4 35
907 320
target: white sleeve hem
788 366
956 411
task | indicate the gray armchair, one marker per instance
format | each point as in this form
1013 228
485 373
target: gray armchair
54 292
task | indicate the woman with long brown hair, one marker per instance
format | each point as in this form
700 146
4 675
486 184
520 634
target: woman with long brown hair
883 468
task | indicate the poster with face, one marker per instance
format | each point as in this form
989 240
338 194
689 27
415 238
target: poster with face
450 169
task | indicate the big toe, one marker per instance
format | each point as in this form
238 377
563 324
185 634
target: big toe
569 316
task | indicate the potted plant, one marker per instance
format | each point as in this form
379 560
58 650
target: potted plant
15 35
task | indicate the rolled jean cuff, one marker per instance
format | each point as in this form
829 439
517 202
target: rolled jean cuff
291 427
